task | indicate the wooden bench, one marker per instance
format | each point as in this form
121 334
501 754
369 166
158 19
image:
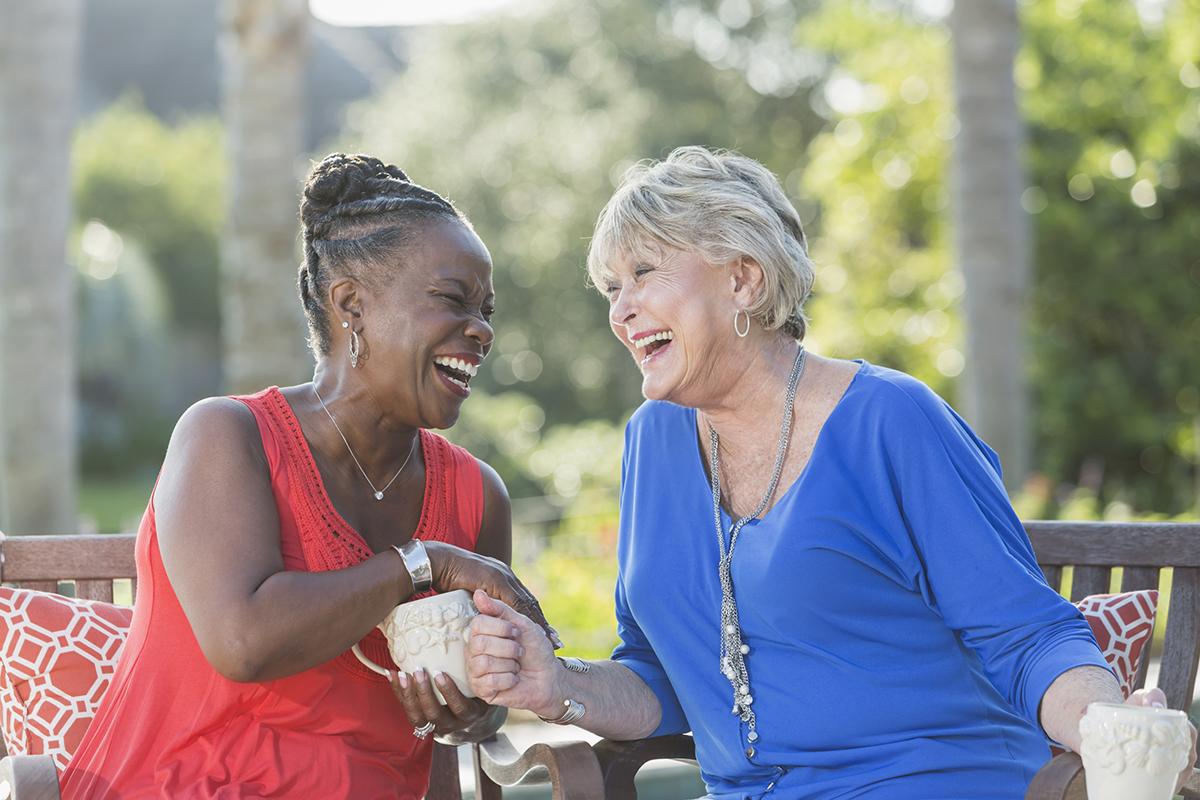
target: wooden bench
92 563
1093 550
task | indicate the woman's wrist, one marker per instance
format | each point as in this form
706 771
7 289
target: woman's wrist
438 553
558 691
483 728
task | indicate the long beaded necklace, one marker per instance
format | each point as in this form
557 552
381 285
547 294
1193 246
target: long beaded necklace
733 649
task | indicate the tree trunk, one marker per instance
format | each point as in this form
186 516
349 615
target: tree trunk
39 47
263 46
991 230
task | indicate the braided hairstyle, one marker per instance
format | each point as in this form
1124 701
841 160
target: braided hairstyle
356 212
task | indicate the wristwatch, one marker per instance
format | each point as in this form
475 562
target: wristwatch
416 561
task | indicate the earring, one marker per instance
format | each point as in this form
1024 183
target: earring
345 324
355 348
742 334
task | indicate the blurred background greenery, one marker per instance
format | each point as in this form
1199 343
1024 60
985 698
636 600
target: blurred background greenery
527 117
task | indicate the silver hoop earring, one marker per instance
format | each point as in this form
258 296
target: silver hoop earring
355 348
742 334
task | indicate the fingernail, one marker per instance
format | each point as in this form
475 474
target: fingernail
422 676
1157 704
520 651
403 680
440 678
514 631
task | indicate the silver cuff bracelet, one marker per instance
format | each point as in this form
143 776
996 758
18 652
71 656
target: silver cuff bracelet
416 561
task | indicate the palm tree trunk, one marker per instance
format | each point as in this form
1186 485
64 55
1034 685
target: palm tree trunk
39 47
991 230
263 45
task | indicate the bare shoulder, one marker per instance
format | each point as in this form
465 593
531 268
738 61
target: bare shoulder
219 431
216 422
216 416
493 484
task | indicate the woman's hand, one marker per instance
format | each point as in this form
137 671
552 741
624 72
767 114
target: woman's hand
509 661
422 706
1155 698
456 568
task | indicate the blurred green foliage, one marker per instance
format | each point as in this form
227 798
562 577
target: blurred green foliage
1114 121
163 186
527 122
148 208
1112 109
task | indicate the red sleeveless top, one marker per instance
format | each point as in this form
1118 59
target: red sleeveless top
171 726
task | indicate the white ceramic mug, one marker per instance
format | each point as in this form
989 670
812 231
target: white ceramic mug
1133 752
430 633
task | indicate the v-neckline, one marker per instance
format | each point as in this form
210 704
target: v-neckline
323 494
706 480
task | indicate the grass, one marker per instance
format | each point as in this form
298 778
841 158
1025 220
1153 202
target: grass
113 504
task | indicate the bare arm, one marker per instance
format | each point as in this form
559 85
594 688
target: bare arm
512 664
218 532
1067 699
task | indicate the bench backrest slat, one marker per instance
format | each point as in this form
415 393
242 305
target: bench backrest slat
1116 544
1088 581
1181 647
1143 550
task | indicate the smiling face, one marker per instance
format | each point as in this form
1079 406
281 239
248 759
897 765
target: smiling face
427 328
671 310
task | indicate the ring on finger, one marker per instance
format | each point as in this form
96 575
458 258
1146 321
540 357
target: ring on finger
424 730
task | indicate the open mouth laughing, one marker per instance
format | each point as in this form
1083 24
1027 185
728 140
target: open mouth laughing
652 344
457 370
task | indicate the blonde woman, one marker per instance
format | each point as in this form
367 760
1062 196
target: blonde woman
820 573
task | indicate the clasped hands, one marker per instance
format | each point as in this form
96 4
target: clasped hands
510 663
494 648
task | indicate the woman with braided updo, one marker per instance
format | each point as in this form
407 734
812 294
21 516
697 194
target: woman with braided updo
285 525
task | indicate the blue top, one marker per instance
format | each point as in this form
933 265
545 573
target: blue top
901 634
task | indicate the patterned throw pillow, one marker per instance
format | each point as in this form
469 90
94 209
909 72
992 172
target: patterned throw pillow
1123 624
57 657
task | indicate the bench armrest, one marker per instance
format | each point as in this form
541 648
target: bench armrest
28 778
620 761
1062 779
570 768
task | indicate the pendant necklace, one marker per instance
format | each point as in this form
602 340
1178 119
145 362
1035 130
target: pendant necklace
378 492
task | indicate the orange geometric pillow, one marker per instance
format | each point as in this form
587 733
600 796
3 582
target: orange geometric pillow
57 657
1123 625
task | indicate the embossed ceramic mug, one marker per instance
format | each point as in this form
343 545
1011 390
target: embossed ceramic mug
430 633
1133 752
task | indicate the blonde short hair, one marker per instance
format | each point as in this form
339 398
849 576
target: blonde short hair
720 205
